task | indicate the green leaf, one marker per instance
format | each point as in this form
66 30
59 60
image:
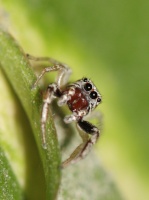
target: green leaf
21 77
88 180
9 186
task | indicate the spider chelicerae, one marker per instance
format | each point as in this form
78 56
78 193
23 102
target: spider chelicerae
81 97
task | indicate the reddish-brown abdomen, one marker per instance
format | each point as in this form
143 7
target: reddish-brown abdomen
77 101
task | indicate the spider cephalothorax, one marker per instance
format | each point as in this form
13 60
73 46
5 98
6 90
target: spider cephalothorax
87 95
82 97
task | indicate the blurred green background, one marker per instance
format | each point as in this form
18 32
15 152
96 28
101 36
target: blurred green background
107 41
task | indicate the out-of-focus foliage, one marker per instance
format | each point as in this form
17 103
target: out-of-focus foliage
108 41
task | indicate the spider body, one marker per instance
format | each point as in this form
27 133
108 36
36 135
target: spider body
81 97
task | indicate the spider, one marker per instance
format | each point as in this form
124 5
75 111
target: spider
81 97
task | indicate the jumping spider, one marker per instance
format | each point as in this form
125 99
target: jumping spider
81 97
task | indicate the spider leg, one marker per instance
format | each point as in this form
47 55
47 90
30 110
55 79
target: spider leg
51 93
44 59
97 115
89 134
75 116
63 69
53 90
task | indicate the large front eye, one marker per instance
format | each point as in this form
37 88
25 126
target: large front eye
87 86
93 95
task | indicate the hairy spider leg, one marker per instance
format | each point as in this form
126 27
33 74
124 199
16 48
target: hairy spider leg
51 93
64 70
53 90
89 134
44 59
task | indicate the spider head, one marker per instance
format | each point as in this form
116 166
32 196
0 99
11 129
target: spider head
90 91
85 96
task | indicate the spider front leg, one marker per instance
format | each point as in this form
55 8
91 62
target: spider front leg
51 93
90 135
53 90
45 59
64 70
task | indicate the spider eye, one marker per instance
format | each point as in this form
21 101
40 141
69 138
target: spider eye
93 95
99 99
85 79
87 86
